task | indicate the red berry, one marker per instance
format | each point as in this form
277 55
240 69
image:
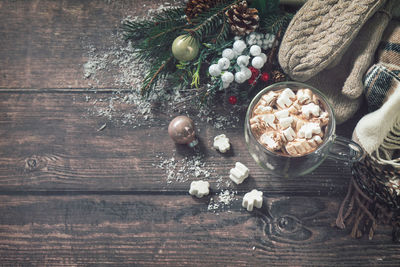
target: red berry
252 81
265 77
254 72
232 99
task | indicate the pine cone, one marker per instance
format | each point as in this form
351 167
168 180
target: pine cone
243 20
195 7
278 76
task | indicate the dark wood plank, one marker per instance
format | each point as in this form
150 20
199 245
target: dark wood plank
45 43
51 141
178 230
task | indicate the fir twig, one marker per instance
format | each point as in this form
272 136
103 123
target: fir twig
275 22
150 79
209 22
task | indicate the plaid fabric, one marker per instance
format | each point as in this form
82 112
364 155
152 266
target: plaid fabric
382 78
380 81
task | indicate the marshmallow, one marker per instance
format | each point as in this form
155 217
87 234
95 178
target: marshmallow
282 114
269 140
315 141
199 188
270 97
262 110
285 122
299 147
289 92
304 96
289 134
221 143
284 101
252 199
268 119
239 173
308 129
309 109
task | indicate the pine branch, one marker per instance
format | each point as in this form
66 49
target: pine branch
153 75
210 22
275 22
167 19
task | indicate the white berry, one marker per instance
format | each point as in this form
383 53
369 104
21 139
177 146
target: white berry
264 57
224 63
247 72
214 70
243 60
251 41
225 85
255 50
228 53
240 77
239 46
257 62
227 77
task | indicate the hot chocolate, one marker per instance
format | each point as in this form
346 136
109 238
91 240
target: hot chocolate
290 122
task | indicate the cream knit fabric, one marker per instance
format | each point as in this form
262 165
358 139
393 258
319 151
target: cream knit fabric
320 33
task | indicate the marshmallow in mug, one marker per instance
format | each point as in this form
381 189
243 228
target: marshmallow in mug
288 122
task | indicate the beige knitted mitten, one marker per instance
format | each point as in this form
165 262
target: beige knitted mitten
320 33
363 50
343 83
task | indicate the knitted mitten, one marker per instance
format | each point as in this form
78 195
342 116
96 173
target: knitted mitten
350 67
363 50
320 33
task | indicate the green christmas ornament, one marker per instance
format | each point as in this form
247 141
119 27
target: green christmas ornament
185 48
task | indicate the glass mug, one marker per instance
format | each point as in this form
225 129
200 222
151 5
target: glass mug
291 166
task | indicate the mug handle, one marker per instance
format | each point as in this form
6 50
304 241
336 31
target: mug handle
353 153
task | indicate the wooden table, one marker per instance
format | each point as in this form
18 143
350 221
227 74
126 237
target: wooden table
80 189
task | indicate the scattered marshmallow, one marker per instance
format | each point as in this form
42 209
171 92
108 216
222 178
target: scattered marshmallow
221 143
254 198
239 173
199 188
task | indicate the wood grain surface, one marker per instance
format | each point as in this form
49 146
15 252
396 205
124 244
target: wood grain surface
79 189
